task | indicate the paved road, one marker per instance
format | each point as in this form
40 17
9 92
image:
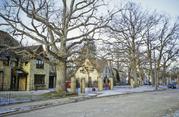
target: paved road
150 104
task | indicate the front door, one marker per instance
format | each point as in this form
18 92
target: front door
22 83
51 81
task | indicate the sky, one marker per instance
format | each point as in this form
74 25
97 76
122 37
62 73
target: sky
170 7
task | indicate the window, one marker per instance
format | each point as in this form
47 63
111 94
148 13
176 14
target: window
26 63
6 63
39 79
39 63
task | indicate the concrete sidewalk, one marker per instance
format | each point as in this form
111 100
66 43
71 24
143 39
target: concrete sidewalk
30 106
117 90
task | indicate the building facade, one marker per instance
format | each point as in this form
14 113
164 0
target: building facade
38 74
24 71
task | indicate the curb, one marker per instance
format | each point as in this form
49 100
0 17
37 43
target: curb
127 93
25 109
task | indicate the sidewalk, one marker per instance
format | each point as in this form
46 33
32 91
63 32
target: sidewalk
127 89
29 106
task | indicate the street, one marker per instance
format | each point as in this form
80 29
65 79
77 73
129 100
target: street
149 104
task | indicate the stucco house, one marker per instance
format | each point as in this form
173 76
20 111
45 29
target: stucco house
23 68
87 72
37 68
8 61
92 74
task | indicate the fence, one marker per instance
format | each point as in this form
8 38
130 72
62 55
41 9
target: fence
12 97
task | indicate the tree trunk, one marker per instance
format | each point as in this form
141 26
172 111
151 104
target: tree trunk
61 75
141 72
164 81
134 73
129 75
151 72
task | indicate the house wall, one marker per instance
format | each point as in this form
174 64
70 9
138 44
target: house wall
27 68
80 75
7 76
83 73
94 75
1 64
31 69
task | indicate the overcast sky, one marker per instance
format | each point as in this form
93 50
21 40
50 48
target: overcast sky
165 6
169 7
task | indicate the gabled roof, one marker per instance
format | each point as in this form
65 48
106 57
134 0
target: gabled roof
5 55
97 64
7 40
10 48
34 48
35 51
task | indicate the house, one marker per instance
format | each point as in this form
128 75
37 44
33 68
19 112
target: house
24 68
87 72
86 76
8 60
37 68
90 75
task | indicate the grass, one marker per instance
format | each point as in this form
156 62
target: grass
54 95
32 97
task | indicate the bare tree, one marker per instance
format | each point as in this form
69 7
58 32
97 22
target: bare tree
137 34
59 25
132 24
166 45
149 42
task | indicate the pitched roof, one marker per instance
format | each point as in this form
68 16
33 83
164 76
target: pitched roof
7 40
30 52
25 52
98 64
35 49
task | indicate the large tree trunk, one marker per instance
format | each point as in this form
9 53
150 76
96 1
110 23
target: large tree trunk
152 73
135 80
141 72
61 67
157 73
129 75
61 75
164 78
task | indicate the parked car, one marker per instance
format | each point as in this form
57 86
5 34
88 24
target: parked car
172 85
